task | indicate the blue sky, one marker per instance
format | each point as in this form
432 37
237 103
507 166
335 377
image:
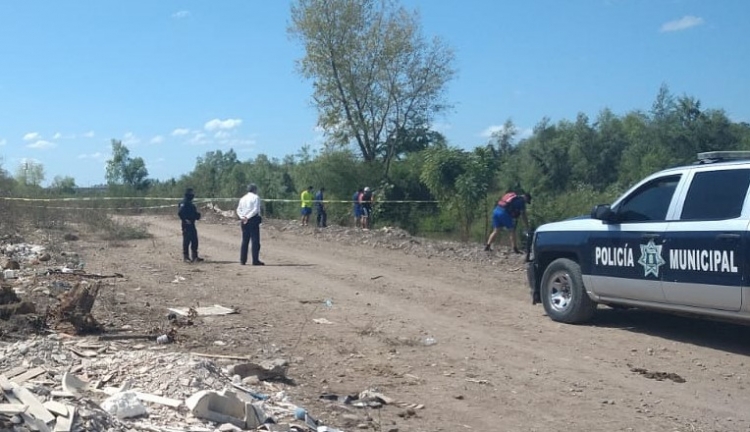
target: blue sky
176 79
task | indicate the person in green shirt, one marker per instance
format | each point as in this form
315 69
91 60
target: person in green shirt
307 202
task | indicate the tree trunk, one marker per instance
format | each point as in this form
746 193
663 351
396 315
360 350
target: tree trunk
74 311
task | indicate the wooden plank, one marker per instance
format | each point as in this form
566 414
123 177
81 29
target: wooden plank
65 424
12 408
221 356
36 408
15 371
84 354
29 374
147 397
34 423
56 408
61 394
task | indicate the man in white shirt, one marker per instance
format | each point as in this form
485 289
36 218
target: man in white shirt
248 211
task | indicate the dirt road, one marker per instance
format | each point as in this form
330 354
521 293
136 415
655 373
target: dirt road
499 363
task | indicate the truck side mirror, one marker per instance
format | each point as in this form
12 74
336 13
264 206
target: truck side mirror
603 212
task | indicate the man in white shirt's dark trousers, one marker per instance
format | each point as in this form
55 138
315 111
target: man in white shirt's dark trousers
248 211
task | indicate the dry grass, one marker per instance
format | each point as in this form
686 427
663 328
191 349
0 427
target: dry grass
19 217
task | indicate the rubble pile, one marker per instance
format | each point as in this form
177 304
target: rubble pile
398 239
57 382
62 383
13 254
24 252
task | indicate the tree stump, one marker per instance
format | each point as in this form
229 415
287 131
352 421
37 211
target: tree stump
74 311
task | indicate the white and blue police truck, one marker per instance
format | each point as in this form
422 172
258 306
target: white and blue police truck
677 241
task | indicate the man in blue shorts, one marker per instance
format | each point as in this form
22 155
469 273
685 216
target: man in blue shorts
365 203
507 211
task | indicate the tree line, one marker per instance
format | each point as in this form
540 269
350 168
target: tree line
568 166
379 85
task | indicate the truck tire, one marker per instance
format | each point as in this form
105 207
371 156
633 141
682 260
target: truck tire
563 295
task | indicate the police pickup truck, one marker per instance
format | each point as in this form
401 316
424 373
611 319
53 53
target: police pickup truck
677 241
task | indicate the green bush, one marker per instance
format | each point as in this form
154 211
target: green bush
579 201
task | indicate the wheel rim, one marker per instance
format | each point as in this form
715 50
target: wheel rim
560 291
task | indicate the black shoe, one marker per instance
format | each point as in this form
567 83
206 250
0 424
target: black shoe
187 260
197 259
241 263
487 248
515 250
259 263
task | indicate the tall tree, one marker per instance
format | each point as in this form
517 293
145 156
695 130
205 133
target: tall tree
124 170
63 185
215 174
7 183
460 180
374 74
30 173
501 140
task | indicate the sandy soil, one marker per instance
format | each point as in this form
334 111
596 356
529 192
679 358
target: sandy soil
499 363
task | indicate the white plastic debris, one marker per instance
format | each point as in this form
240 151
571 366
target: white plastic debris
124 405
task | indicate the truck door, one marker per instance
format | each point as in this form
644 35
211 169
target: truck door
627 253
706 246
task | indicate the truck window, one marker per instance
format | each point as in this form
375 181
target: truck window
650 202
716 195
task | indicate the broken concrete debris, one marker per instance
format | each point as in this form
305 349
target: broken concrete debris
369 399
268 370
226 407
124 405
203 311
46 386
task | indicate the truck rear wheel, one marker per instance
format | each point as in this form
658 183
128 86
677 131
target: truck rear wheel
563 295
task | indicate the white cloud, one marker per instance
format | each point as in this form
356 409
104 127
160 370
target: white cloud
525 133
158 139
97 156
215 124
130 139
31 136
683 23
181 14
60 135
222 134
3 141
89 134
180 132
491 130
520 133
198 139
41 144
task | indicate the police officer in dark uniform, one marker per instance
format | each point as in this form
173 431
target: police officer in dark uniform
188 214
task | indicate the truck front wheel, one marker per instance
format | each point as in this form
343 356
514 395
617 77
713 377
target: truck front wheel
563 295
